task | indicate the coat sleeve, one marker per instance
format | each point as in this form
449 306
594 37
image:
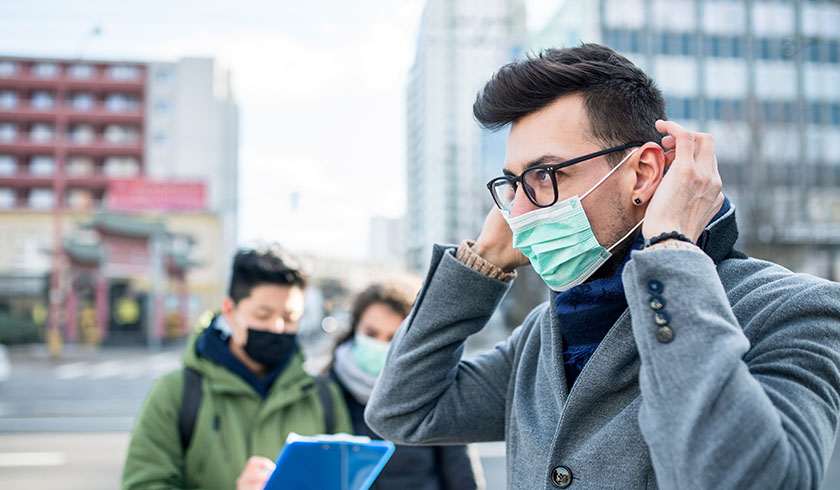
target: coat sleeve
426 394
155 459
713 405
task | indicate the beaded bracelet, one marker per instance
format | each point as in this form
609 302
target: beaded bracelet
675 235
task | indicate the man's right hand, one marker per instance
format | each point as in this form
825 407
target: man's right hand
495 243
256 473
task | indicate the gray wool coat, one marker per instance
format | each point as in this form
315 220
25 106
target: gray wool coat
742 394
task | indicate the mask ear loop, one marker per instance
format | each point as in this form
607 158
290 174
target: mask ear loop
608 174
602 181
627 235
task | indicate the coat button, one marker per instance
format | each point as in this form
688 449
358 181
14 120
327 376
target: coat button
664 334
657 303
655 287
661 318
561 477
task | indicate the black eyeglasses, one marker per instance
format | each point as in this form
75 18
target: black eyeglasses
539 181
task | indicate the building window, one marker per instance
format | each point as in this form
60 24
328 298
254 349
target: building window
82 134
779 112
814 113
41 165
81 71
123 72
45 70
41 132
82 101
121 167
121 102
724 47
682 108
118 134
775 49
162 107
628 41
834 114
8 165
159 137
79 166
676 44
822 50
163 74
7 198
8 68
79 199
724 110
41 198
8 99
8 132
42 100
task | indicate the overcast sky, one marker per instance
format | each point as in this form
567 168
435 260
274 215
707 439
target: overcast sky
320 86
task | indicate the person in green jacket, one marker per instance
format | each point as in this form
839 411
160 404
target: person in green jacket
253 389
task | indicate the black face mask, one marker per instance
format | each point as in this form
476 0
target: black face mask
268 348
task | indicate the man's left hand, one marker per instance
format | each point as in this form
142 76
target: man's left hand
690 194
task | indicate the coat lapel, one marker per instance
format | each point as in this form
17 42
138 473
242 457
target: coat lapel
608 382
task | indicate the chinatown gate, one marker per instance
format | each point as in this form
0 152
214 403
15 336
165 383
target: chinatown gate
126 283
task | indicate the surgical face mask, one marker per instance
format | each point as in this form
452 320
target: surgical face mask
268 348
370 353
559 242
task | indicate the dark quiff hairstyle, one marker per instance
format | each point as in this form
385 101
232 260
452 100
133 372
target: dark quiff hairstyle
396 296
622 102
264 265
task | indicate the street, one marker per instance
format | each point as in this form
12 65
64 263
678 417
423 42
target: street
65 424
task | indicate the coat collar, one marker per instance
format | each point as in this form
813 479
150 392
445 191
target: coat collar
292 384
719 237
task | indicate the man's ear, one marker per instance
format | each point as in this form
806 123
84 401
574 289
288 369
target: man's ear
227 307
649 171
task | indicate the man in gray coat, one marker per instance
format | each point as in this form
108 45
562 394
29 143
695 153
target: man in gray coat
664 358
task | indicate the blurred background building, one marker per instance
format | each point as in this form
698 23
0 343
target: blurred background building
459 46
118 195
763 77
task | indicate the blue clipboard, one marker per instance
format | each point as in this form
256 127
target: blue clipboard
328 462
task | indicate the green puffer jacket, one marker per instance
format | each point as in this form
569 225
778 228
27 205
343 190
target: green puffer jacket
233 424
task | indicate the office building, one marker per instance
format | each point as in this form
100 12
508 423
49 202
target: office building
763 77
460 44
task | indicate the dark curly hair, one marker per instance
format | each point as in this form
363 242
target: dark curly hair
396 296
264 265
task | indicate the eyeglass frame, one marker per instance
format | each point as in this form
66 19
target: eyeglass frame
553 167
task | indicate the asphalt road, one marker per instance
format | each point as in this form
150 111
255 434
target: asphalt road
65 424
66 461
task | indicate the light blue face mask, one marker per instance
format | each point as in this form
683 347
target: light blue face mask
559 242
370 353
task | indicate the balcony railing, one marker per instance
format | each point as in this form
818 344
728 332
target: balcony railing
98 113
96 145
98 82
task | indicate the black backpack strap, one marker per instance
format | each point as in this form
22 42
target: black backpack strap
190 401
327 403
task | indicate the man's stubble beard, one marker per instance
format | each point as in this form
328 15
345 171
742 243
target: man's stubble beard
620 226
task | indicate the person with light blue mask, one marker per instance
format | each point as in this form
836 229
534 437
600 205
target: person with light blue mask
664 358
358 362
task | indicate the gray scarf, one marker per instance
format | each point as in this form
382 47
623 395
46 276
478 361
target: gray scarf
357 382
